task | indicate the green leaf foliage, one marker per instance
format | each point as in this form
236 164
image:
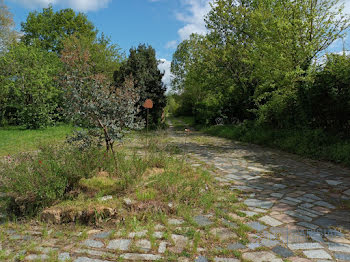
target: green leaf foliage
143 66
7 33
92 101
48 29
258 62
28 93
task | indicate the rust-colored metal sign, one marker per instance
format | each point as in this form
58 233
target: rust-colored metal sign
148 104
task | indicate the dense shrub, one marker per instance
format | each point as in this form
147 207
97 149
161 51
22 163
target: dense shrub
61 176
90 99
328 98
28 88
36 181
172 105
314 143
207 111
281 110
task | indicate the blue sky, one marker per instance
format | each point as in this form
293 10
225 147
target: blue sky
160 23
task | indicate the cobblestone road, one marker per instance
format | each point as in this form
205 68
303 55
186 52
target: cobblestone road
300 205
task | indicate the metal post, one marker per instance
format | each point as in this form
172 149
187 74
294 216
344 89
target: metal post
147 126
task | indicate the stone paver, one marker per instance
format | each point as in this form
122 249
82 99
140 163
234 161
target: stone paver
91 252
93 243
338 239
324 204
119 244
62 257
223 233
342 256
158 235
300 259
162 247
201 259
320 253
175 221
282 251
35 257
257 226
270 221
141 257
304 246
307 225
339 247
249 213
87 259
103 235
262 256
202 221
236 246
222 259
258 203
298 215
143 245
180 243
137 234
269 242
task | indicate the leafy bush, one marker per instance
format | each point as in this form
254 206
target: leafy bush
36 181
208 110
33 182
92 101
28 89
280 110
314 143
73 181
172 105
328 98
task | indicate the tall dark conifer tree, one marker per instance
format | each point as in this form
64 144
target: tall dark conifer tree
143 66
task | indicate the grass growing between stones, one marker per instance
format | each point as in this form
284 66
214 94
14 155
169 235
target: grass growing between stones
133 196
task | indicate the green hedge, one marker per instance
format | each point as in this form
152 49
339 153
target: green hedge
316 143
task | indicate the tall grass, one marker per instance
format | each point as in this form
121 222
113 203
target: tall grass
316 144
64 175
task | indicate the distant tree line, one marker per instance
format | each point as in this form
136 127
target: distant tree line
36 69
265 61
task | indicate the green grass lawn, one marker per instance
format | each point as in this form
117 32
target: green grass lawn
14 140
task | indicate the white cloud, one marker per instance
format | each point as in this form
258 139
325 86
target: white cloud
164 67
88 5
171 44
193 17
79 5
